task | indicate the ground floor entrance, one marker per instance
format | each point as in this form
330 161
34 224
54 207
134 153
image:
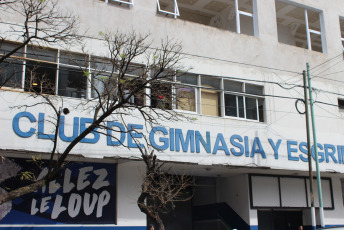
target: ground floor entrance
279 220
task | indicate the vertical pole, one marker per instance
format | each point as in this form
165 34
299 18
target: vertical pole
237 17
309 148
321 209
309 44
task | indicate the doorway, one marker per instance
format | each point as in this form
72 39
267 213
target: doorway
279 220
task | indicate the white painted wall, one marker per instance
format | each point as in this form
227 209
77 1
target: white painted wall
129 176
219 53
234 191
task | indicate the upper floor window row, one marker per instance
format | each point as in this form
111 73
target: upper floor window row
49 71
234 15
220 96
299 26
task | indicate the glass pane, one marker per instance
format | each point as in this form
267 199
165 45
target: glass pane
251 108
135 70
11 69
72 83
233 86
6 47
11 73
241 106
40 77
161 95
231 105
80 60
186 99
208 82
138 99
41 54
254 89
190 79
101 85
186 96
101 64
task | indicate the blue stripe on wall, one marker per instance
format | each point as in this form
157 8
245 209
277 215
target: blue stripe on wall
76 227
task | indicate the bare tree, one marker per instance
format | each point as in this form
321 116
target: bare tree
121 87
42 23
160 191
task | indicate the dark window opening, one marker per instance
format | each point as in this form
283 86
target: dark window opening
72 83
11 72
340 103
40 77
161 95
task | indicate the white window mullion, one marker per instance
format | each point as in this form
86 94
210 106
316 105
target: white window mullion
199 96
257 109
174 92
148 90
308 32
24 69
237 17
245 13
222 99
244 102
57 73
237 106
89 79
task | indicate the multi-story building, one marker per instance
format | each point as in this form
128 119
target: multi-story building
245 145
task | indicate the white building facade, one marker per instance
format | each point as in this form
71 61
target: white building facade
245 145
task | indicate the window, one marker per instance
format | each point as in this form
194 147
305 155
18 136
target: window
72 78
299 26
242 100
210 96
126 2
161 95
341 103
168 7
40 71
341 22
233 15
49 71
186 92
11 70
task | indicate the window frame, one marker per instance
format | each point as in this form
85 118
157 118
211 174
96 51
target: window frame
219 88
176 9
130 3
306 21
244 95
341 20
175 94
251 15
